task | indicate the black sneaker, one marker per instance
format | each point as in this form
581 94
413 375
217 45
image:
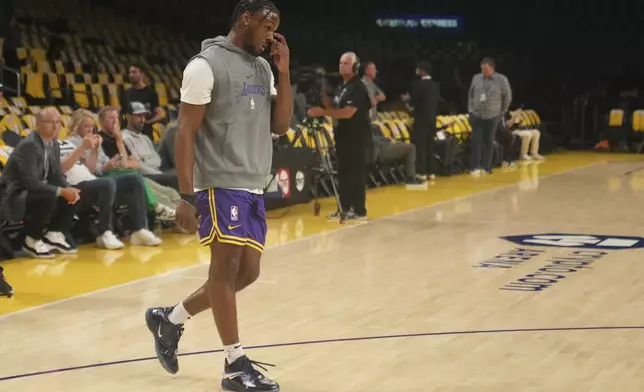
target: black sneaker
241 376
353 217
166 337
5 289
416 183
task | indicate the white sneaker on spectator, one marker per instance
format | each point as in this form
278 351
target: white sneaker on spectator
57 241
37 249
526 157
144 237
164 213
476 173
109 241
538 157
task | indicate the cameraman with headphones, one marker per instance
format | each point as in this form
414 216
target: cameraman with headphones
352 137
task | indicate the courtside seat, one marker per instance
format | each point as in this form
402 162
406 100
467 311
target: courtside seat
35 85
29 120
616 118
638 120
11 122
19 102
80 95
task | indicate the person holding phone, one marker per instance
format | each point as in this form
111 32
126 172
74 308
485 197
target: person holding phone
228 92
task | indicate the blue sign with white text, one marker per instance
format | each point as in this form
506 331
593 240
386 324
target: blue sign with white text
585 241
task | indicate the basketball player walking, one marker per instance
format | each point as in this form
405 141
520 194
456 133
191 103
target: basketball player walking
223 155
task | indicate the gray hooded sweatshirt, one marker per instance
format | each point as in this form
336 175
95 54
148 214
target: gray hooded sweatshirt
233 148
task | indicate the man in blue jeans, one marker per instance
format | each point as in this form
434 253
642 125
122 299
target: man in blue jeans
489 98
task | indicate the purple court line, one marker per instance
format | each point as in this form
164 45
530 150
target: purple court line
340 340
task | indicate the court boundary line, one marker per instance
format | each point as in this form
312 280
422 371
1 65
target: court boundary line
328 341
332 231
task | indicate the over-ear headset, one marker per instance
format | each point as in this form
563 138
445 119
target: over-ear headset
357 67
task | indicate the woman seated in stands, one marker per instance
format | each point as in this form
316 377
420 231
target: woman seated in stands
529 139
84 162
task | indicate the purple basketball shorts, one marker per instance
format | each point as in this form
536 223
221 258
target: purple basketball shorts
232 217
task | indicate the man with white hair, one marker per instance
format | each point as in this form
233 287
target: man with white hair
37 191
352 137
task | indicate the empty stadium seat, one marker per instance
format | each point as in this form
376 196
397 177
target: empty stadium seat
616 118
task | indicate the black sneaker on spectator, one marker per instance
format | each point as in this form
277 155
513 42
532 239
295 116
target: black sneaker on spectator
144 237
241 376
5 289
353 217
416 183
334 215
57 241
37 249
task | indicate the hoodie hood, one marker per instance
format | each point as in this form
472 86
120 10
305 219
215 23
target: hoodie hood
222 42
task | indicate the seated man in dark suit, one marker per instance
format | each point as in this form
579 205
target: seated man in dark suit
36 189
388 151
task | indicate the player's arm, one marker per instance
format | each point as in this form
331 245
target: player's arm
283 108
190 119
196 92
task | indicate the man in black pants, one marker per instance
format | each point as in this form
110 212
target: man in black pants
36 189
352 137
423 101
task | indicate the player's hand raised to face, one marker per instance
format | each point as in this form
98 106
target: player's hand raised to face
280 52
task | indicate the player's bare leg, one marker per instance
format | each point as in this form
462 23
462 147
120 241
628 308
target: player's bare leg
168 322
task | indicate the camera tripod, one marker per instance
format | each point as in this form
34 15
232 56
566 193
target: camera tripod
325 172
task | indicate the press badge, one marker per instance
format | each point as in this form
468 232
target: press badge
482 97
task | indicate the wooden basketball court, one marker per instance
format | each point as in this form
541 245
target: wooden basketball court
429 295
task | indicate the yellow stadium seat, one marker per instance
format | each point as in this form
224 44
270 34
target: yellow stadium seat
22 53
162 93
4 155
62 135
12 122
118 78
80 95
103 78
30 120
65 118
19 102
616 118
114 99
87 78
35 86
64 109
97 95
60 68
157 133
638 121
54 85
78 67
3 103
38 54
535 117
